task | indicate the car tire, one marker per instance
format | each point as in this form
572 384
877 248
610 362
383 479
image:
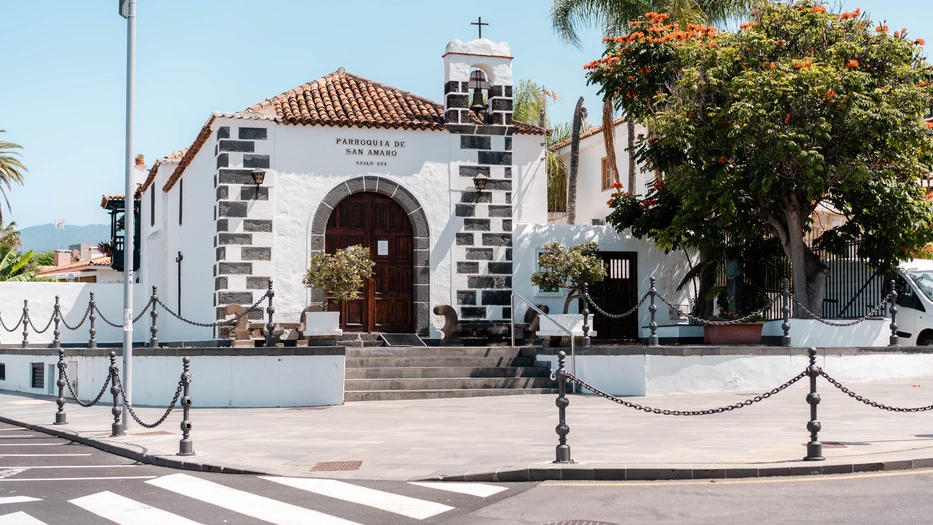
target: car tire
925 339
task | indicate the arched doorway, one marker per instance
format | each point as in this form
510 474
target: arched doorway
380 224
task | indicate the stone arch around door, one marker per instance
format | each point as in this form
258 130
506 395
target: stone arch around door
421 278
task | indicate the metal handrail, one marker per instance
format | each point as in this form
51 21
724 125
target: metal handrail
573 360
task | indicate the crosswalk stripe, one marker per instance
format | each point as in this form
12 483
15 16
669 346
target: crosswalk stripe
17 499
125 511
2 455
31 444
19 518
19 436
102 478
121 465
395 503
472 489
252 505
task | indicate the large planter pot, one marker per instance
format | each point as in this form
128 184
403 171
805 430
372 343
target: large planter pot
572 322
322 323
735 334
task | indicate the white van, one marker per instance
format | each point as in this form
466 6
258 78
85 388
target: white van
915 303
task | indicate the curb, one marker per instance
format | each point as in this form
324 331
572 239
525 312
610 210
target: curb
176 462
583 472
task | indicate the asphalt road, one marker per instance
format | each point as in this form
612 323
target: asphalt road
47 480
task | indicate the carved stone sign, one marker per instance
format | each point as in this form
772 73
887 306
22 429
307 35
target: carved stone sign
371 152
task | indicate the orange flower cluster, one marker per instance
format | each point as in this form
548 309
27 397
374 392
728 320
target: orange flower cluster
652 31
922 83
881 29
658 186
617 185
851 14
830 95
852 64
920 42
930 125
818 9
771 65
805 64
747 25
649 202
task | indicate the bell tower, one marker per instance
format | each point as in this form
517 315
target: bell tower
478 111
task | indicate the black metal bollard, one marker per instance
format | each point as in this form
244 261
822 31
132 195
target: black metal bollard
25 323
814 447
653 308
785 310
185 446
270 326
57 316
563 449
92 307
117 429
893 303
60 417
154 315
586 315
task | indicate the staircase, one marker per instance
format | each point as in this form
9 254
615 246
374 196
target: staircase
359 340
394 373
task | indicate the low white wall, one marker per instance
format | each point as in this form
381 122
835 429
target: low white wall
810 332
641 374
218 381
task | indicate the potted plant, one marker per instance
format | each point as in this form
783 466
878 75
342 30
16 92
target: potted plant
340 275
568 268
748 332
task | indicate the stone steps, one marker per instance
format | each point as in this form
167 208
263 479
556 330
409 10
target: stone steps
397 395
448 383
404 372
397 373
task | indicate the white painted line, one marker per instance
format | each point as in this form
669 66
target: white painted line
31 444
17 499
473 489
251 505
30 402
72 466
77 479
20 436
19 518
40 455
395 503
125 511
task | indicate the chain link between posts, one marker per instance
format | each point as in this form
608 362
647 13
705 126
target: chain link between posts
869 402
135 319
665 412
18 323
225 322
129 407
865 317
87 312
747 318
47 325
74 395
604 313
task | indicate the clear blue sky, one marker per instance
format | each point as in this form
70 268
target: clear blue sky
63 87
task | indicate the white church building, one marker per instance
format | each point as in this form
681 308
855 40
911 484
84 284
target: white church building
344 160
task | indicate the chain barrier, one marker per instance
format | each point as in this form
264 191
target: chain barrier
226 322
47 325
74 395
135 319
75 327
665 412
15 328
604 313
815 317
129 407
747 318
869 402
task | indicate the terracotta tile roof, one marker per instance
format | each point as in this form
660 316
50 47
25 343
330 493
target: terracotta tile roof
586 134
339 99
174 158
108 198
103 260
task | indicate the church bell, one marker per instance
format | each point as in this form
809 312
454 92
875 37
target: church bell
478 84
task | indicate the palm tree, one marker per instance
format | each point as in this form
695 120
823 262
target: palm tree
9 237
11 169
612 16
579 115
15 267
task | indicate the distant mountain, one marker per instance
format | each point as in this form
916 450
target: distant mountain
46 237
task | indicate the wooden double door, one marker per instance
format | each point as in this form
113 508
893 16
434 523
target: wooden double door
380 224
617 294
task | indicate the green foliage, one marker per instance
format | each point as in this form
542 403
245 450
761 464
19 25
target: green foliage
45 258
570 268
529 103
799 107
9 237
15 267
341 274
11 169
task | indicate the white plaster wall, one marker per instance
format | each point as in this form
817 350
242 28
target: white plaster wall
591 199
218 381
529 186
307 163
810 332
74 299
669 269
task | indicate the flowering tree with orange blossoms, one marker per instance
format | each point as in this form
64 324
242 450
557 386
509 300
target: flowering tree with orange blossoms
753 130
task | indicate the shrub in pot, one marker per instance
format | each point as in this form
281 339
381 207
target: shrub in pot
340 275
569 268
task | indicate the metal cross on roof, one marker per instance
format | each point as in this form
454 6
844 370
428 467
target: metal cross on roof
479 23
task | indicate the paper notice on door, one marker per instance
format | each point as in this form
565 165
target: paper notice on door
382 247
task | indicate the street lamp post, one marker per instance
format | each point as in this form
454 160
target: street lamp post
128 11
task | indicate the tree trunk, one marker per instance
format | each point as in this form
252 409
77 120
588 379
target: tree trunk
609 139
578 114
632 170
573 293
704 306
808 271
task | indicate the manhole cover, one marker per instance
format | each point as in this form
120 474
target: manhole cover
334 466
578 522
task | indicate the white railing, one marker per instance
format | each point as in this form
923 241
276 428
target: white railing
573 360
